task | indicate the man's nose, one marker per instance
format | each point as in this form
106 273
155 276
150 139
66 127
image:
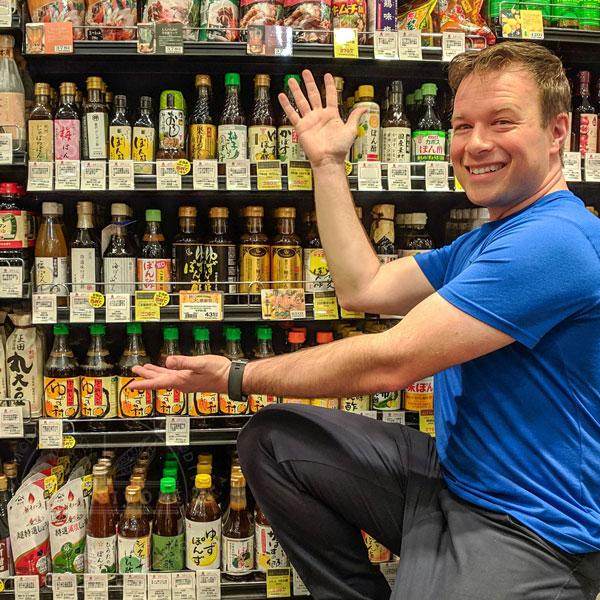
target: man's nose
479 140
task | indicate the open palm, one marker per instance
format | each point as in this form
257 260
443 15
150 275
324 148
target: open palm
325 138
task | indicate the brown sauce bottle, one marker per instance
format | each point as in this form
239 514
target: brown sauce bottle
133 541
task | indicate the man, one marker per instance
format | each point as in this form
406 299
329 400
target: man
508 317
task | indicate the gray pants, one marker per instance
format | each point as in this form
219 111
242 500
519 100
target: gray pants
321 475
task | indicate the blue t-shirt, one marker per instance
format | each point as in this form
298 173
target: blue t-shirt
518 430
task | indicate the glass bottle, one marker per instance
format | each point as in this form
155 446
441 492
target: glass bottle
315 270
171 127
12 95
67 125
153 263
203 133
12 481
306 224
429 137
120 255
220 253
286 250
262 133
287 138
255 252
119 131
205 468
140 481
383 235
264 349
107 461
339 88
268 551
40 127
201 404
168 401
109 100
232 133
98 381
133 541
168 537
585 117
396 129
417 240
233 349
101 539
95 122
366 145
6 560
238 534
203 528
86 251
133 404
187 251
143 148
410 107
79 101
418 108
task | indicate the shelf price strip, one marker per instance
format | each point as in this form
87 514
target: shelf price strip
200 306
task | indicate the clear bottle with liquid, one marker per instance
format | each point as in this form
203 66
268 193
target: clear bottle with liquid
40 127
169 401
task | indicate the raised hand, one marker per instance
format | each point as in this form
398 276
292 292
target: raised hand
325 138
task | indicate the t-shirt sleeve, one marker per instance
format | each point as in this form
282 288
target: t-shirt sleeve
529 278
434 264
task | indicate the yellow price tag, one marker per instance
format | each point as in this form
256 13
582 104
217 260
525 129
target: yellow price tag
268 175
96 300
299 176
278 583
50 486
86 485
325 306
146 308
68 441
161 298
182 166
349 314
59 471
426 422
345 43
1 585
532 24
65 461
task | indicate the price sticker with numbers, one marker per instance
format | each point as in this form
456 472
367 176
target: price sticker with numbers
118 308
592 166
409 44
385 45
208 584
572 166
120 175
11 282
134 586
436 175
64 586
299 176
6 149
369 175
283 304
325 306
80 310
27 587
93 175
389 570
39 177
399 177
95 586
5 13
394 416
237 174
159 586
427 422
268 175
178 431
345 43
299 588
43 309
66 175
50 433
184 586
453 44
278 583
206 175
11 422
201 306
167 177
146 308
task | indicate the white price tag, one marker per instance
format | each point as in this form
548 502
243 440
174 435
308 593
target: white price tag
167 178
592 166
178 431
184 586
208 584
50 433
95 586
66 175
237 174
44 309
93 175
206 175
64 586
11 282
27 587
80 310
298 587
453 44
120 175
572 166
11 422
118 308
394 416
399 177
386 45
369 175
6 149
409 44
39 177
134 586
389 570
5 13
436 175
370 414
159 586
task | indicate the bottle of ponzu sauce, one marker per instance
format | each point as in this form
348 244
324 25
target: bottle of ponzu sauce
264 349
268 551
366 144
134 534
262 133
101 539
168 536
168 401
429 137
201 404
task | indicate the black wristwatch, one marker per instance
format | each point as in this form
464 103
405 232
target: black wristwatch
234 385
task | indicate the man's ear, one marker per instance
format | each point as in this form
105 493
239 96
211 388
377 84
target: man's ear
559 128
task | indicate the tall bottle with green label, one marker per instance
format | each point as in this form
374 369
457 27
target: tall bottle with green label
366 144
287 138
429 137
232 133
168 536
171 126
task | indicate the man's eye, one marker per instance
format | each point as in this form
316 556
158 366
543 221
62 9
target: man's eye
463 126
503 122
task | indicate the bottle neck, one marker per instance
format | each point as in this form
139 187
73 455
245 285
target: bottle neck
396 100
43 100
133 510
201 347
187 224
100 486
286 225
219 225
238 498
94 95
254 224
265 347
203 94
584 88
60 346
167 498
97 345
153 228
135 344
232 94
85 221
261 92
67 99
170 347
233 347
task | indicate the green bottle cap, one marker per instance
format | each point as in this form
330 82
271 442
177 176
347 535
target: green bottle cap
429 89
171 461
134 328
61 329
153 214
410 99
170 333
170 472
97 329
232 79
167 485
201 334
264 333
288 77
233 333
418 95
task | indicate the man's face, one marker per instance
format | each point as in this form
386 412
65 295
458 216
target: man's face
500 152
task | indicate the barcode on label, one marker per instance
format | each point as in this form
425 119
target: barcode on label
297 314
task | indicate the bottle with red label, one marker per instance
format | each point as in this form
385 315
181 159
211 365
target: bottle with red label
67 125
264 349
61 378
585 118
6 562
169 401
154 263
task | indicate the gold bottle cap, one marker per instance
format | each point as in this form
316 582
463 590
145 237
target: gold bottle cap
105 461
262 79
339 83
366 91
118 209
188 211
10 468
133 493
85 208
238 480
205 458
359 213
110 97
218 211
94 83
41 89
285 212
68 87
203 469
203 80
253 211
3 483
138 480
99 470
203 481
350 102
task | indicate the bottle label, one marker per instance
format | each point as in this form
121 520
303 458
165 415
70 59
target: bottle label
154 273
134 554
67 134
232 142
377 552
171 127
386 401
83 269
96 135
170 402
262 142
168 552
269 553
99 397
355 403
101 554
232 407
381 230
588 133
133 403
396 144
15 229
61 397
258 401
220 264
366 145
143 144
12 111
189 260
203 142
305 401
289 144
316 270
118 275
41 141
120 142
255 264
384 259
5 558
286 265
238 555
429 145
419 395
50 271
203 404
325 402
203 544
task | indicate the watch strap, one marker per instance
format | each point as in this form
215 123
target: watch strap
234 384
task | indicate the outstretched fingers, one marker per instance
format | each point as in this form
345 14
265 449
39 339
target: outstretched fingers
311 88
299 97
330 91
292 115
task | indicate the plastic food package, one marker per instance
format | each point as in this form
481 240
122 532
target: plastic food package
57 11
186 12
417 15
118 13
351 14
219 20
261 12
463 15
310 20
